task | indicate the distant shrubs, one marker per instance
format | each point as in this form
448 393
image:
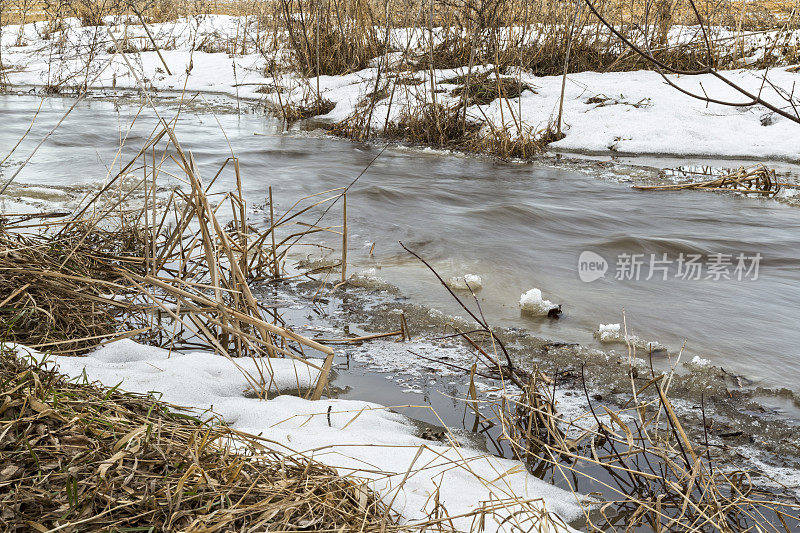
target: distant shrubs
332 39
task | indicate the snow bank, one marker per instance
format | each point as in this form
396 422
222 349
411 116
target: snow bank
532 303
614 112
357 438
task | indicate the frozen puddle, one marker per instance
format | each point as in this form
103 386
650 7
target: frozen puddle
357 438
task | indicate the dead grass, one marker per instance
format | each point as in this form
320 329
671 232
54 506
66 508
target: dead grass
757 179
330 40
434 125
82 457
293 113
57 293
654 473
485 88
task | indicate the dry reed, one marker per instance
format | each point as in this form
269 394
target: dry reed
655 473
746 180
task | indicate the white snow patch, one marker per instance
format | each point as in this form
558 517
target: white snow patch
357 438
611 112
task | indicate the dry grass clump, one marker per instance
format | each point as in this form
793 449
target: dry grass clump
167 270
445 127
453 52
660 475
501 143
80 457
434 125
306 109
482 89
56 292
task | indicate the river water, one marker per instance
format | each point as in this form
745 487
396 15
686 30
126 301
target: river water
517 226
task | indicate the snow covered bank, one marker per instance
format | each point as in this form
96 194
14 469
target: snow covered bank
620 112
357 438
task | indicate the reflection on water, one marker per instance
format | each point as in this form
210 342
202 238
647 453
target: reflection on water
516 226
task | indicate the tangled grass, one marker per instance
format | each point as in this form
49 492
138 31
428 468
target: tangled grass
81 457
57 290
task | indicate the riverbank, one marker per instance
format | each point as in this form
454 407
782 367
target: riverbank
410 464
614 113
112 269
188 316
67 463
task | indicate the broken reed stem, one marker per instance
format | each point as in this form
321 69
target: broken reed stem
566 68
344 236
275 267
748 180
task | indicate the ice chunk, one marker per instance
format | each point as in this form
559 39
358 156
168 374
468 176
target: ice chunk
609 333
612 333
532 303
465 282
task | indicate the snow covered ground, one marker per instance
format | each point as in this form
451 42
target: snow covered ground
358 438
622 113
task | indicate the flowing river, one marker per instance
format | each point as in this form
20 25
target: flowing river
517 226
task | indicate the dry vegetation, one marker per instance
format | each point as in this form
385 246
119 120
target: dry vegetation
757 179
80 457
173 270
173 266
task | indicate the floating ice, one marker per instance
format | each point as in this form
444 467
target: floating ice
532 303
612 333
609 333
367 279
465 282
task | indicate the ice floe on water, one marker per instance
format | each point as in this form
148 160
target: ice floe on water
466 282
699 361
533 304
613 334
368 278
609 333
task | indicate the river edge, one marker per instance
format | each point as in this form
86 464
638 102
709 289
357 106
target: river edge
744 417
624 167
745 433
